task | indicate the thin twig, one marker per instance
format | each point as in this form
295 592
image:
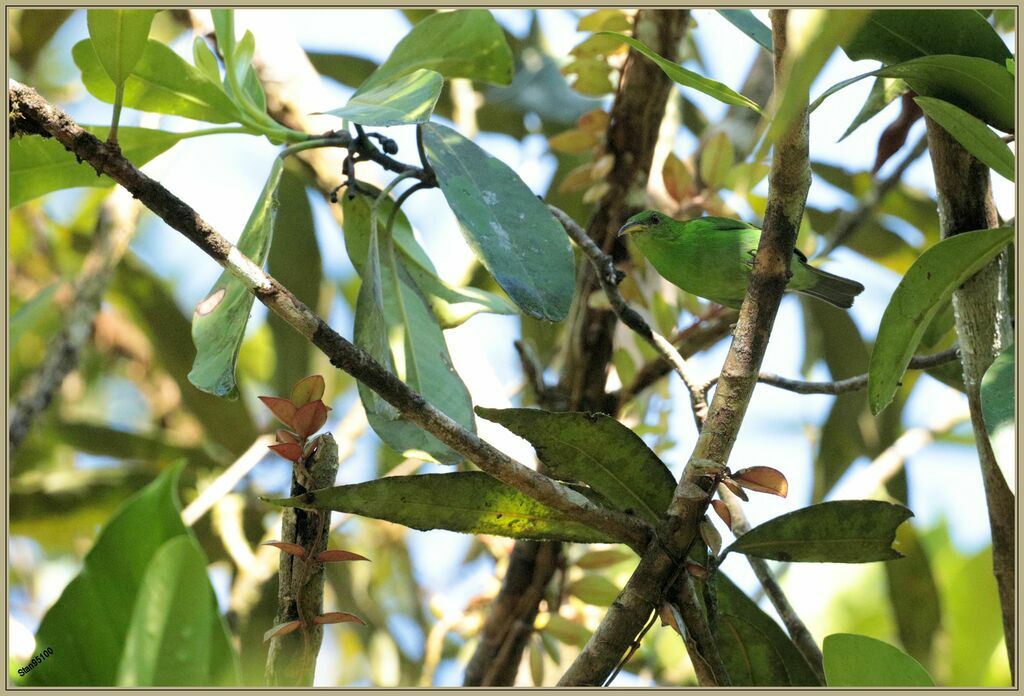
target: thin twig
32 112
227 480
610 277
850 384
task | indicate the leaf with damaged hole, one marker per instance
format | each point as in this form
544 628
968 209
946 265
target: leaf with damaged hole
510 230
597 450
921 293
471 502
219 321
839 531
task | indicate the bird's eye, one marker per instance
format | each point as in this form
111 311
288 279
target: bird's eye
655 219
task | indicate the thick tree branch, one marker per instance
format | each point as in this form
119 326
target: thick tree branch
980 305
788 184
342 354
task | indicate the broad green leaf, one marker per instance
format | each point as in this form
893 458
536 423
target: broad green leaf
145 298
471 502
513 233
974 135
394 321
732 601
687 78
597 450
860 661
406 99
914 596
980 87
463 43
119 38
883 92
204 59
349 70
173 637
162 82
38 165
922 292
894 36
749 656
997 397
219 321
295 261
839 531
745 21
90 624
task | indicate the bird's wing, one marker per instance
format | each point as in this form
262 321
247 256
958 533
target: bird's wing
721 224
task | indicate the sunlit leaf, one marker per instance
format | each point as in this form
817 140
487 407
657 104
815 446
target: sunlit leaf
973 134
997 402
861 661
409 98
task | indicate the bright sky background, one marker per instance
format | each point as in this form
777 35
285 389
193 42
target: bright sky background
221 177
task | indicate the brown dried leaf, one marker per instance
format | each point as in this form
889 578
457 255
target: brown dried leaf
668 617
283 409
287 547
696 570
282 629
710 536
735 488
577 179
308 389
762 479
573 142
723 512
333 617
335 555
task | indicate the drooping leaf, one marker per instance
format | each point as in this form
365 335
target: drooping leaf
38 166
894 36
597 450
972 133
921 293
861 661
749 656
883 92
119 38
745 21
465 43
687 78
980 87
471 502
513 233
92 622
394 322
839 531
409 98
174 632
914 596
734 602
162 82
997 400
219 321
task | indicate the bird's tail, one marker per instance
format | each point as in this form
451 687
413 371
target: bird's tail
835 290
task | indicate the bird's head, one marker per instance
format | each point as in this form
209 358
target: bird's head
647 221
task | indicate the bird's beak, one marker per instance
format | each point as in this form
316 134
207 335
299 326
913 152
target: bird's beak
630 227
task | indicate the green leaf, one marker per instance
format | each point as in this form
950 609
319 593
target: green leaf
922 292
894 36
749 656
119 38
914 596
224 28
98 439
839 531
860 661
973 134
597 450
406 99
174 625
980 87
471 502
513 233
219 321
393 318
145 298
883 91
92 623
294 260
204 59
162 83
745 21
733 602
347 69
33 315
594 589
38 165
687 78
997 398
463 43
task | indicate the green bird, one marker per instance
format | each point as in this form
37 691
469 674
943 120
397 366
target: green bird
712 257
